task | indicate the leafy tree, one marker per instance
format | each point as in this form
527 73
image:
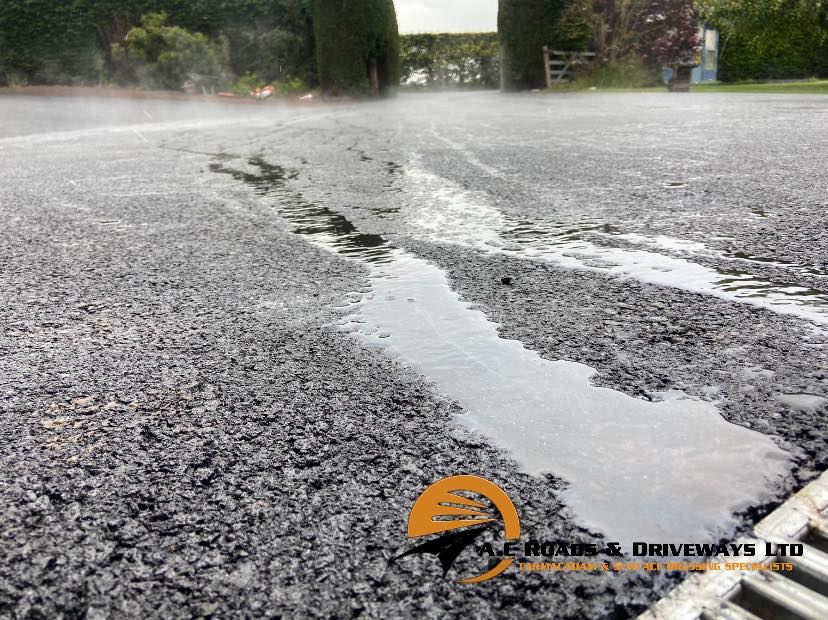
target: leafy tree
271 38
769 25
58 41
357 45
160 56
664 32
449 60
109 20
670 33
525 27
43 41
771 38
613 27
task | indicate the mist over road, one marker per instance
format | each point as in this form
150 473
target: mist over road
238 342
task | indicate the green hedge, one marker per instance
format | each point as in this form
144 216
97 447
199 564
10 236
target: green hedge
47 41
525 26
450 60
740 61
350 34
70 41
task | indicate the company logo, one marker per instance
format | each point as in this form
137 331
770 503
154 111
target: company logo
454 512
460 509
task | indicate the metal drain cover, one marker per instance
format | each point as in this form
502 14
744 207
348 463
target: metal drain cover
800 594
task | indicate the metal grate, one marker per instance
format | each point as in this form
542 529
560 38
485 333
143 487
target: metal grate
800 594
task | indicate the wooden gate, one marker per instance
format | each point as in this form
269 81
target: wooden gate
560 64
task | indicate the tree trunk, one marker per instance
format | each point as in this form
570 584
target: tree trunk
373 74
680 82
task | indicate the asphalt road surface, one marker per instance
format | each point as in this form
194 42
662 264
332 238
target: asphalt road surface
238 342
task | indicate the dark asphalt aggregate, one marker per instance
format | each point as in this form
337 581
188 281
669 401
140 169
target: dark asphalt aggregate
185 435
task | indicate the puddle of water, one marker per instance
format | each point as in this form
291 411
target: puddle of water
696 247
392 168
664 242
380 213
392 171
322 225
757 373
363 156
555 233
802 401
811 270
450 214
637 470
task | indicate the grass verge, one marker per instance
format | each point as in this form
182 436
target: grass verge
804 87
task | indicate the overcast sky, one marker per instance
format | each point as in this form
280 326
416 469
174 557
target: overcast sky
446 15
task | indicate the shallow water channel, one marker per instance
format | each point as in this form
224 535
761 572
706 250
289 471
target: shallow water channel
447 213
636 470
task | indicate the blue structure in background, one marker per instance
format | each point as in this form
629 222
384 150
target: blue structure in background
708 63
707 60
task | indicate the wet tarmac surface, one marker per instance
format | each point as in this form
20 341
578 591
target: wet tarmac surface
542 413
239 343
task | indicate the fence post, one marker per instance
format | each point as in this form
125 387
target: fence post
546 67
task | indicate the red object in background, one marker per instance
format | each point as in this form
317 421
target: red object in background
262 93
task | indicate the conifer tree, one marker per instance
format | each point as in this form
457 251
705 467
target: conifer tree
525 26
357 46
